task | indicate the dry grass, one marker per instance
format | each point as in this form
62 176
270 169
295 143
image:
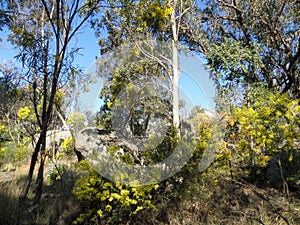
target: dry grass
58 206
204 202
233 202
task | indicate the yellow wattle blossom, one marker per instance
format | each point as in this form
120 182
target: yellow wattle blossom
139 29
100 213
107 185
139 208
1 127
132 201
261 127
263 159
109 105
116 196
124 192
2 150
67 143
24 112
108 208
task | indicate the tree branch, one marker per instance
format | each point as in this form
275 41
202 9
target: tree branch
49 16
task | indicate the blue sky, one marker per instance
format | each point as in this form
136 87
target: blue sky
195 81
6 50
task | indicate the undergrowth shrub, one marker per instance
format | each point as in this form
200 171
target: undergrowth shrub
106 202
55 170
262 140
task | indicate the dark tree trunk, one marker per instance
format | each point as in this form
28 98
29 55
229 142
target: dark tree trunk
41 144
80 157
40 177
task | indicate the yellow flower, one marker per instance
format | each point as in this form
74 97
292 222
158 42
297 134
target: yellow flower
261 127
106 185
263 159
109 104
139 29
115 195
124 192
23 112
100 213
108 208
291 158
139 208
1 127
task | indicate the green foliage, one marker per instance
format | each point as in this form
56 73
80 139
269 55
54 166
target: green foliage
55 170
76 121
5 19
14 147
138 19
9 152
120 90
153 15
249 41
10 89
232 61
154 153
265 127
105 202
14 134
68 145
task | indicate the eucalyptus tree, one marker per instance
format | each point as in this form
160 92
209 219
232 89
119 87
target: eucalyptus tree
141 22
43 32
249 41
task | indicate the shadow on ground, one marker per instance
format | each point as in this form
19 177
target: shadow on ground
58 205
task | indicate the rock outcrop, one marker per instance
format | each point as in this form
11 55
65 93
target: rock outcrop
92 142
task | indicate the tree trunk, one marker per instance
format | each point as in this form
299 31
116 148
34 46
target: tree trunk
34 159
40 176
175 88
62 37
31 170
80 157
175 68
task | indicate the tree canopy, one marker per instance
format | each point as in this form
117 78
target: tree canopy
250 41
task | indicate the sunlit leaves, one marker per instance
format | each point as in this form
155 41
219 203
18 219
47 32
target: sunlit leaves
231 60
129 86
250 41
266 125
76 121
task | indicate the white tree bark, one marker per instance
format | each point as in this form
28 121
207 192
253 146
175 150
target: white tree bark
175 67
